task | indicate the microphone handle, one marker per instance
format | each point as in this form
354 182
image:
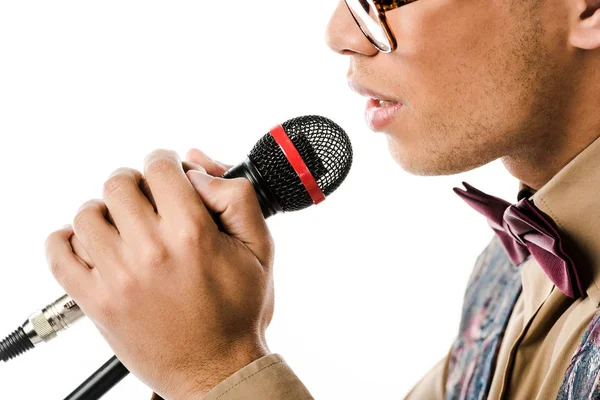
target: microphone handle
269 203
101 381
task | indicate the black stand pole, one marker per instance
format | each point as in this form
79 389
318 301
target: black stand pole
100 381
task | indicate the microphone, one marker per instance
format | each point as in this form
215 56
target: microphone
295 165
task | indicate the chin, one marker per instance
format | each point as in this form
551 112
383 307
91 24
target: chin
411 160
411 150
423 161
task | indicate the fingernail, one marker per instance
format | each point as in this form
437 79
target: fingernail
199 178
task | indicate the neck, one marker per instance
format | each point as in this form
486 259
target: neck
535 162
536 167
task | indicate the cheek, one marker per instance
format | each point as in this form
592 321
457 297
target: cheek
445 48
448 61
473 76
456 73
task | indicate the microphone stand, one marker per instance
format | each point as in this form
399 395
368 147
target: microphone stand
101 381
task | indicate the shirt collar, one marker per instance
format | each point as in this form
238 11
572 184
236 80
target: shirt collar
572 199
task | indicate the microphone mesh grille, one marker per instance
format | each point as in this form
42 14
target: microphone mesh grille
325 149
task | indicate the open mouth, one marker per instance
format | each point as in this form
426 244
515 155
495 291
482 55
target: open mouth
379 113
386 103
380 108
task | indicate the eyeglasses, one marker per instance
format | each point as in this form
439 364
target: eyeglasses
370 17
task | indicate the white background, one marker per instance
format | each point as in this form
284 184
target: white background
369 284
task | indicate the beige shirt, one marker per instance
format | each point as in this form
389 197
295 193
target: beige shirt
545 326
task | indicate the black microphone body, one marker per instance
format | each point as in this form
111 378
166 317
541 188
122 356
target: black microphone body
269 204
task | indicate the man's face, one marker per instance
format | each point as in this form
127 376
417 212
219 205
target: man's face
477 79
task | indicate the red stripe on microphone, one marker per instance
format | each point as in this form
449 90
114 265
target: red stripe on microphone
295 159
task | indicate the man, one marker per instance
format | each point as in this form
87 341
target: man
454 85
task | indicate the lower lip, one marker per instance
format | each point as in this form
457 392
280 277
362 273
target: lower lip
379 117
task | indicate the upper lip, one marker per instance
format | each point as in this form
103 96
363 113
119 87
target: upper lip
367 92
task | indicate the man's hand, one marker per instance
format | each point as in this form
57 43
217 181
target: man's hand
182 303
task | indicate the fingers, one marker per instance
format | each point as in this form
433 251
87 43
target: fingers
68 269
176 200
80 252
240 214
212 167
188 166
131 211
98 237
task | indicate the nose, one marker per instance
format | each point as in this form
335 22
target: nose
344 35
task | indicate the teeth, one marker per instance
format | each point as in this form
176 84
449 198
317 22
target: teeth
385 103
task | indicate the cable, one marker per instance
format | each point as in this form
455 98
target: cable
101 381
15 344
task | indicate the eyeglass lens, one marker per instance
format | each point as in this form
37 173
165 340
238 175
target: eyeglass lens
367 16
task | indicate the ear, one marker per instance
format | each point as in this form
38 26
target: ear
585 24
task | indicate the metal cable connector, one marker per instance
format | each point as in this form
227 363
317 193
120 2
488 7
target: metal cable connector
41 326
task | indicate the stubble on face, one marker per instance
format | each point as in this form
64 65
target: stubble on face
478 96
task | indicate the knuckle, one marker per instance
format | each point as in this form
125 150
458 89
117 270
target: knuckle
114 183
124 171
269 241
162 153
269 248
197 157
159 165
189 235
55 265
49 242
126 284
154 255
85 211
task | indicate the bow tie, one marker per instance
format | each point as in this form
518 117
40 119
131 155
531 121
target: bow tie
523 230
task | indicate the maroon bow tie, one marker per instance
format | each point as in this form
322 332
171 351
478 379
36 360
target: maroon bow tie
523 229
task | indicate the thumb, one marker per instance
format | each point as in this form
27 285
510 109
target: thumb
235 201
